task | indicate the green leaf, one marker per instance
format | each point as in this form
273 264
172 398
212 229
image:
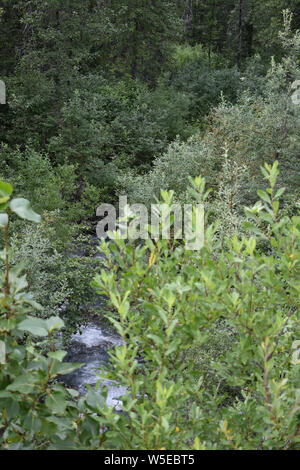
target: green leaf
59 444
27 298
58 355
32 423
65 368
72 392
5 189
22 208
4 205
54 323
263 195
251 227
94 400
56 403
35 326
20 283
3 200
22 384
3 220
279 193
12 408
5 394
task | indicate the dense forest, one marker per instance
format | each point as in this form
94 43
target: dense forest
176 103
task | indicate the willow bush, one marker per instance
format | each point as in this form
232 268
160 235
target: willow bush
169 300
235 302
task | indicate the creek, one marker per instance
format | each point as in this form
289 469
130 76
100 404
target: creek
90 345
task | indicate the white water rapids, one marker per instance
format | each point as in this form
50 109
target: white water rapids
90 346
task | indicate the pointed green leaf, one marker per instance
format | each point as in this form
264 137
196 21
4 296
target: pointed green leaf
23 384
54 323
35 326
5 189
279 193
58 355
72 392
263 195
28 299
65 368
22 208
56 403
20 283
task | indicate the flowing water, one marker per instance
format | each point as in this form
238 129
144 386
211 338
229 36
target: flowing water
90 346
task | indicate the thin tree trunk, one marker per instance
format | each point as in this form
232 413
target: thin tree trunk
211 30
188 16
240 35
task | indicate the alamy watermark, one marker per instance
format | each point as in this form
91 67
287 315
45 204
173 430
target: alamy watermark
2 352
2 92
296 93
165 221
296 353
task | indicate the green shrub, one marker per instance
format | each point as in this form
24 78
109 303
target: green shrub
44 267
37 412
53 188
171 171
262 125
231 302
204 79
170 302
125 124
58 280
